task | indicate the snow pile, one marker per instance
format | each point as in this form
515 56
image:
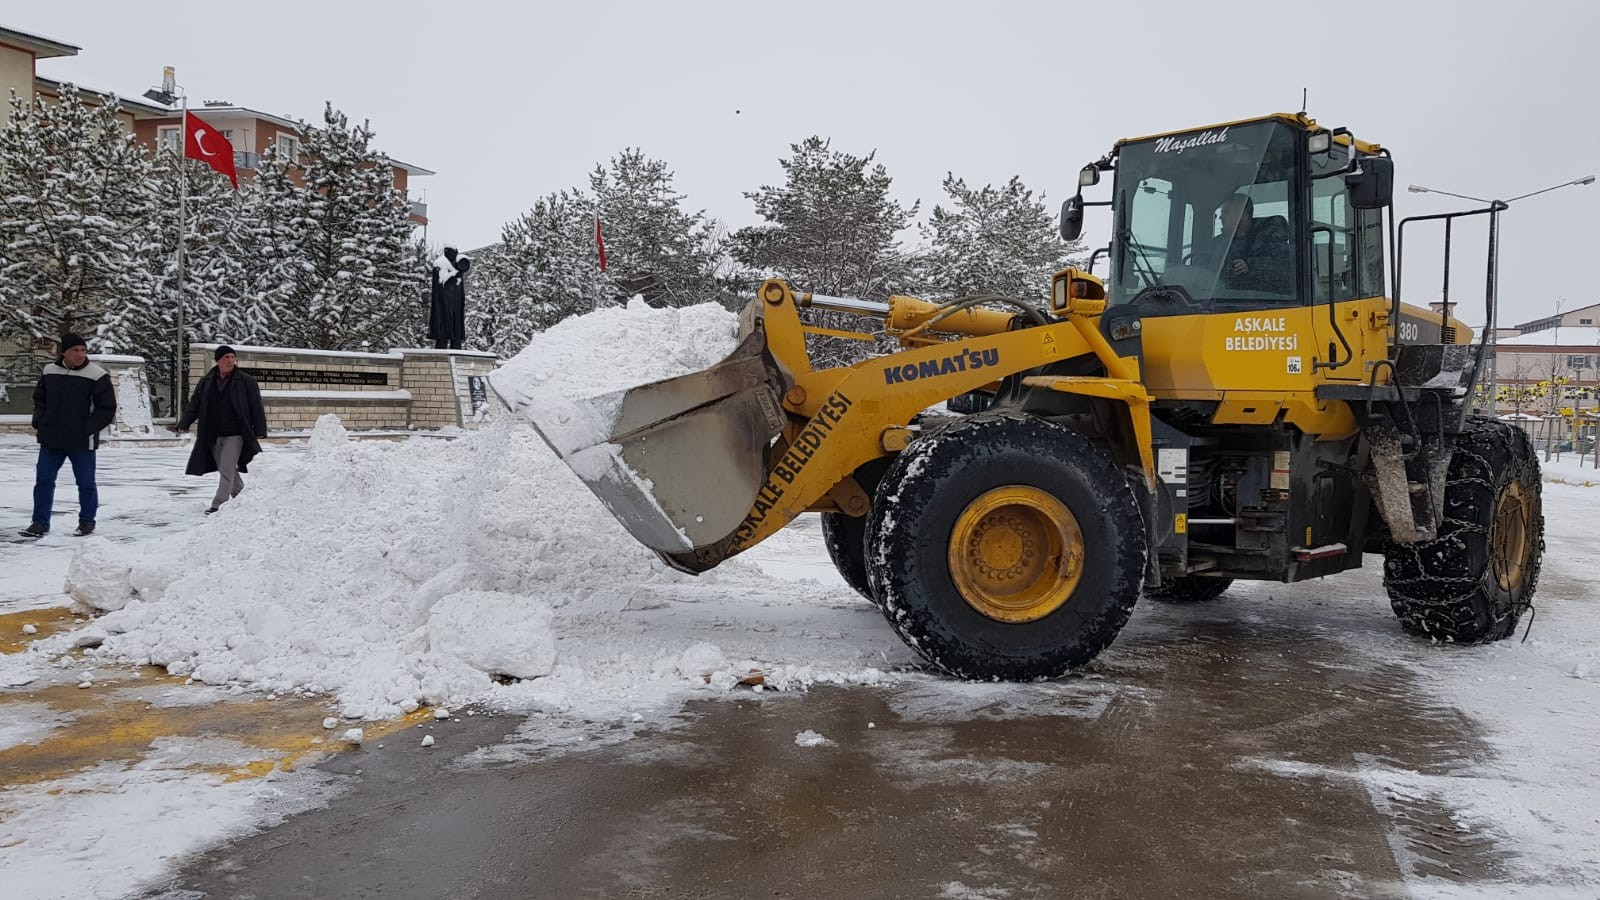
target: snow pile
395 575
392 574
570 379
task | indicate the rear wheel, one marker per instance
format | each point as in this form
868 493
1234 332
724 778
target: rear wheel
1189 589
1474 581
970 402
845 536
1006 547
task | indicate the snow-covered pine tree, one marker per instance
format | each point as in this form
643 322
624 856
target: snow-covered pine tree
495 323
993 241
219 248
339 264
544 269
654 246
831 227
75 221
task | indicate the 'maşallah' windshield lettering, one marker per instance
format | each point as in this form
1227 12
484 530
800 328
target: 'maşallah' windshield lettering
1180 144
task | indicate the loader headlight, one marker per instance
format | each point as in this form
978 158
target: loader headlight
1320 142
1058 295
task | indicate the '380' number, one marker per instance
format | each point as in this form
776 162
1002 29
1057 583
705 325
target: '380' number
1409 331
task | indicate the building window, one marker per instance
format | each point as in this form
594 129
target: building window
167 137
227 135
1578 362
288 147
1585 321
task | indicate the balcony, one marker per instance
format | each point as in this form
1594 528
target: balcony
419 210
243 160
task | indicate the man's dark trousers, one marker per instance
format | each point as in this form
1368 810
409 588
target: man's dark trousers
44 484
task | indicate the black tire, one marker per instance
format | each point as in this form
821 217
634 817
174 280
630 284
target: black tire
1189 589
846 540
1476 579
970 402
936 486
845 536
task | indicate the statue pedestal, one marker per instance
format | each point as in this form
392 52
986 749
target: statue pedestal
448 387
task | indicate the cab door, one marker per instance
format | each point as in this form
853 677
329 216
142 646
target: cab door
1346 265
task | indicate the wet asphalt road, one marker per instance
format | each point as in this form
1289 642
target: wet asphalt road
1210 758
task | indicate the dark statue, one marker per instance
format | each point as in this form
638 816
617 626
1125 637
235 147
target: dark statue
447 316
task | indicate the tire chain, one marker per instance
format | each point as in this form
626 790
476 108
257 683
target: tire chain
1441 606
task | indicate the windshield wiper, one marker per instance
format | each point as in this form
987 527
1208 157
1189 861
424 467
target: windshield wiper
1146 270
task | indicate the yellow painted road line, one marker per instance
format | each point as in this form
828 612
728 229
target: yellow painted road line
116 721
13 639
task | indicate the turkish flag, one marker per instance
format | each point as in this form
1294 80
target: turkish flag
600 242
202 142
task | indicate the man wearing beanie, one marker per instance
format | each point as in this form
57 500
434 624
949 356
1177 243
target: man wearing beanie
227 405
72 404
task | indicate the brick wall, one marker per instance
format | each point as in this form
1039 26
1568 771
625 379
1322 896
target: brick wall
399 390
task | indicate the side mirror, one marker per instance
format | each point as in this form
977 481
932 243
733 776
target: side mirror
1371 185
1072 218
1076 291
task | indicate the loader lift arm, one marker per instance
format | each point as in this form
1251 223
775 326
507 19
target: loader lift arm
704 466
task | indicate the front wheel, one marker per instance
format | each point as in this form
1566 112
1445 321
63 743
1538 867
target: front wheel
1476 579
1006 547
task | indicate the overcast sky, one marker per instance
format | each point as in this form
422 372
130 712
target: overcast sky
509 101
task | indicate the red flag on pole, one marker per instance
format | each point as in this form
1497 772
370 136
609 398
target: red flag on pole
202 142
599 242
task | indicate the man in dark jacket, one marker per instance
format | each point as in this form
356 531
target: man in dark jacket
227 404
447 315
73 402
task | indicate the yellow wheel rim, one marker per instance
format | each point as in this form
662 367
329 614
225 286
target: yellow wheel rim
1511 537
1016 554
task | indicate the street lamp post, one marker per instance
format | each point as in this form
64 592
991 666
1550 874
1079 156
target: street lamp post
168 92
1490 339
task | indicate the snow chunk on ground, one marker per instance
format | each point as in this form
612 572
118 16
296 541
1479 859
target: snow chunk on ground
327 436
702 660
809 738
99 577
495 633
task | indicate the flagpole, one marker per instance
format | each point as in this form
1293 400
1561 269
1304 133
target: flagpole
179 384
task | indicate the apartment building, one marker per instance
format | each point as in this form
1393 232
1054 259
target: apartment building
252 132
20 53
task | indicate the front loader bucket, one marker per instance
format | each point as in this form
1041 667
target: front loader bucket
678 461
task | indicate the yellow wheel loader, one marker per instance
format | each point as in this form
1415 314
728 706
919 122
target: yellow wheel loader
1239 398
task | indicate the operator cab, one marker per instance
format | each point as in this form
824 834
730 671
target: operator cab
1251 215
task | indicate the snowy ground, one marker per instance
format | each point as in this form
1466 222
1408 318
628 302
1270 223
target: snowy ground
384 576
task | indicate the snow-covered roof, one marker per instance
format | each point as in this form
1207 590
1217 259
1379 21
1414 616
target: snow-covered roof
1566 336
40 46
139 108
